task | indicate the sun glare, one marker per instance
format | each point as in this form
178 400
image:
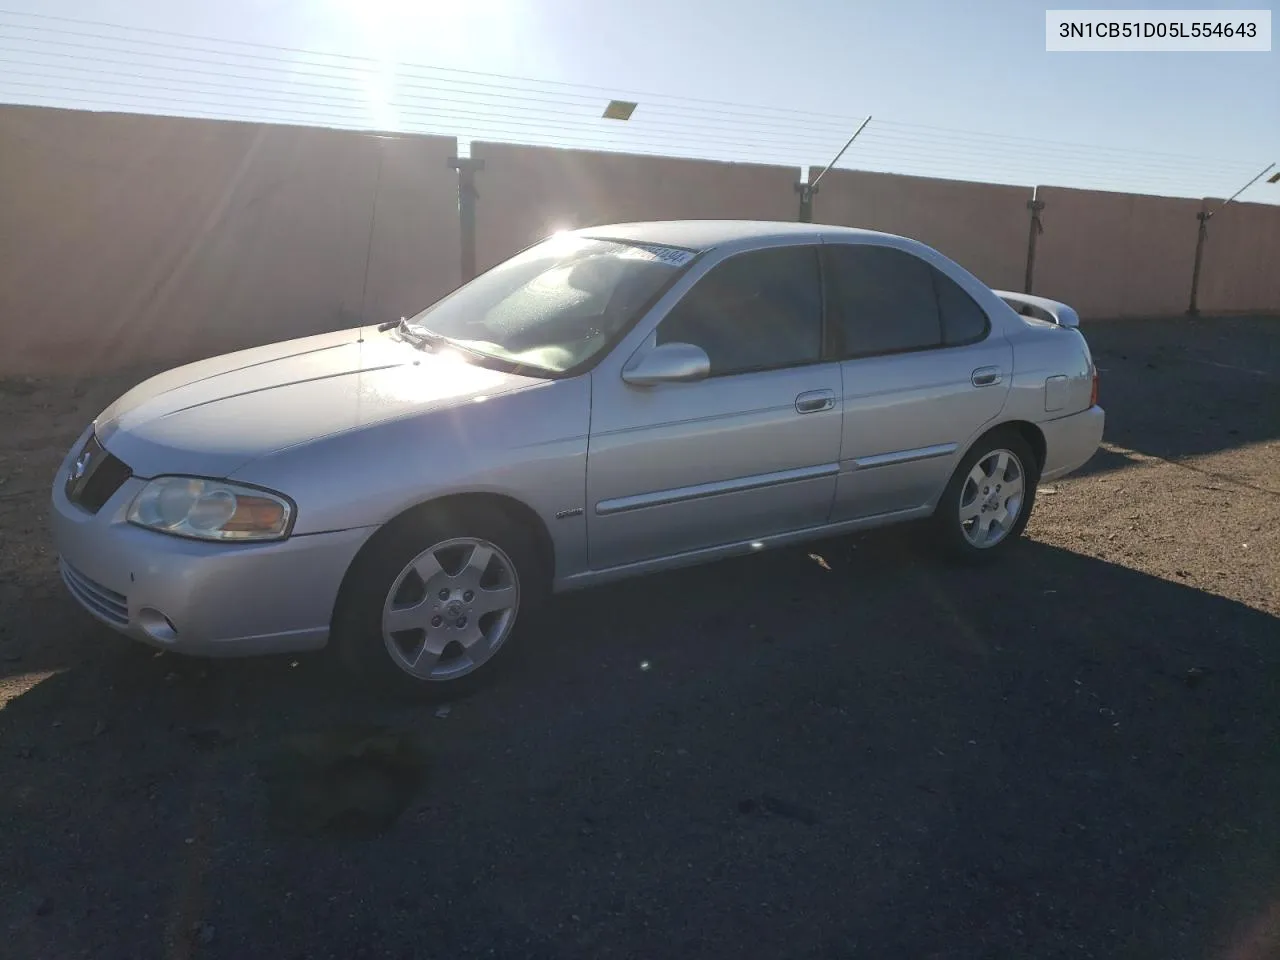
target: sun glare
411 40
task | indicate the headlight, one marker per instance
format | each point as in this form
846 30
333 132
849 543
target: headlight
210 510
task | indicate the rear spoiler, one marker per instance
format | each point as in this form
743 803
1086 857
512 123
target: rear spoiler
1040 308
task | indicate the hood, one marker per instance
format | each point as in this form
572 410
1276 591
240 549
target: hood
212 417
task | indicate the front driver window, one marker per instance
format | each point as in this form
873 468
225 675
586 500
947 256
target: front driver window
754 311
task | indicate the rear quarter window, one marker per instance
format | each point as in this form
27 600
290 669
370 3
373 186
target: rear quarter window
963 321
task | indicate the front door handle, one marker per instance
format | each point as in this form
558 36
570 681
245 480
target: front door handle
985 376
813 401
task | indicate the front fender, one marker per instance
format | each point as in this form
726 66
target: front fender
530 445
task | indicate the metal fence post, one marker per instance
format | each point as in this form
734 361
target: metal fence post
467 169
1035 206
1193 308
806 192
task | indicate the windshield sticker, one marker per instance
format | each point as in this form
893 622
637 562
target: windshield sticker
671 256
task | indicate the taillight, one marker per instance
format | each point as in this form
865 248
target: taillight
1093 394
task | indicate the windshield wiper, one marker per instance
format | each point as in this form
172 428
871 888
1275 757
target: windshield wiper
414 332
421 335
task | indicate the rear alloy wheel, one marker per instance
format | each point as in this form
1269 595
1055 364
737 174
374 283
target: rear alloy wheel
991 498
988 502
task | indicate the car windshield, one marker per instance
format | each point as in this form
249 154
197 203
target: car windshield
557 304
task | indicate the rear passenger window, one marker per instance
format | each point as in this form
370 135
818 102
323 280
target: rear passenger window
882 300
963 321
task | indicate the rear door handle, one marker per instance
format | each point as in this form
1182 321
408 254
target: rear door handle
985 376
813 401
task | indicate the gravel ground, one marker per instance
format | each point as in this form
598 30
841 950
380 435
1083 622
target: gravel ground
844 750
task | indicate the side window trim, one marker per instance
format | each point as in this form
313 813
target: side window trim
832 332
815 249
769 369
834 339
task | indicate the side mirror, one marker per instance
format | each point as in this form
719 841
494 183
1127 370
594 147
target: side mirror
668 363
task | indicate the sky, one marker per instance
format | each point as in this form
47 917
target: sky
953 88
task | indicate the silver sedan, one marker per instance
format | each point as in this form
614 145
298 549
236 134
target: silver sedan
609 402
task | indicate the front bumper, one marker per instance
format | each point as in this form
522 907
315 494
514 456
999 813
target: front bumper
1071 441
211 599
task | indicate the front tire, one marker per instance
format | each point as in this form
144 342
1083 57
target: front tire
434 600
989 499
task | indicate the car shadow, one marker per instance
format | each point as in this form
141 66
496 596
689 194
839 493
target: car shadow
802 753
1179 387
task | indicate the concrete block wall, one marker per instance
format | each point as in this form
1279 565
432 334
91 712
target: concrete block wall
131 239
1114 255
526 193
982 226
127 239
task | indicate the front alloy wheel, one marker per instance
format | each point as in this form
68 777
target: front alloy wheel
450 609
431 604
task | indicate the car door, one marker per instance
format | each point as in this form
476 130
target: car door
749 451
922 371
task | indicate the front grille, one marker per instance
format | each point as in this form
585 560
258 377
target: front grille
95 476
107 604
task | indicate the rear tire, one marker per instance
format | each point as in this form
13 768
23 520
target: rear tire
430 607
988 501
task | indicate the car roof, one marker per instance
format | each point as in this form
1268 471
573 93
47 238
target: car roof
706 234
